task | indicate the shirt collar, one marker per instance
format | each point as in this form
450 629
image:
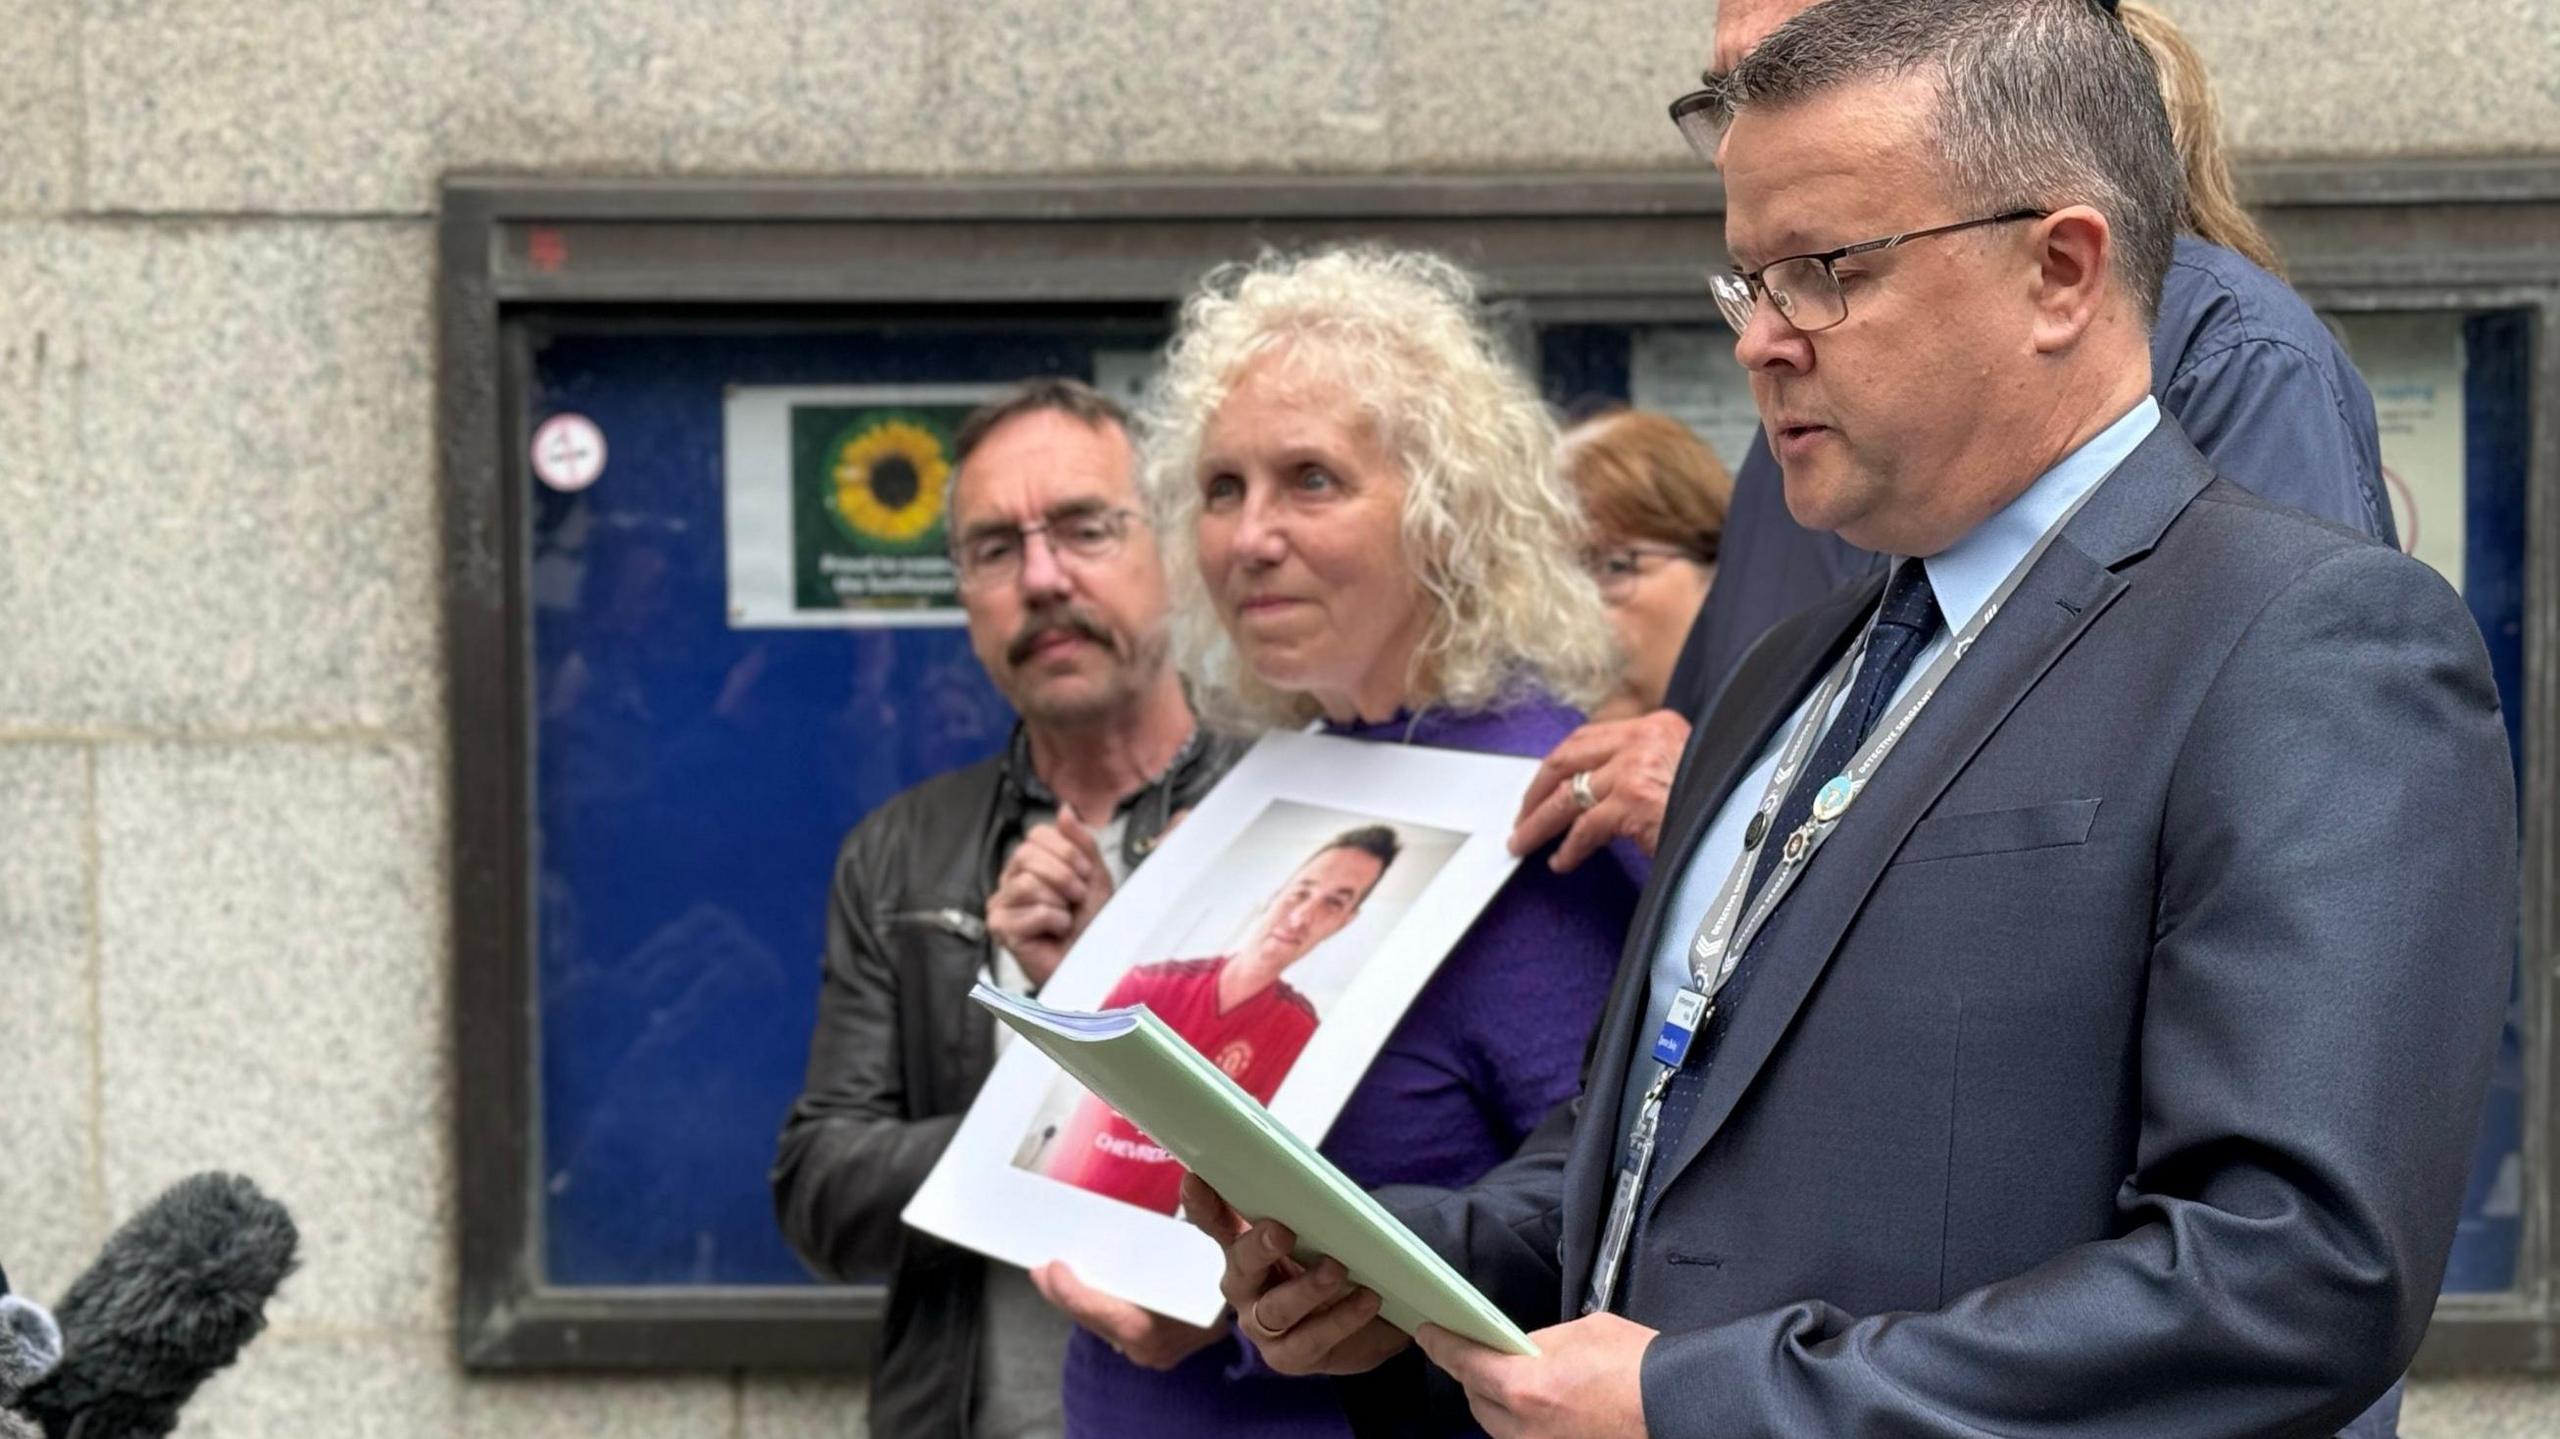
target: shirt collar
1964 574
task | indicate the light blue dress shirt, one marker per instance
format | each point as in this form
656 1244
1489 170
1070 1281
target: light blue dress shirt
1963 576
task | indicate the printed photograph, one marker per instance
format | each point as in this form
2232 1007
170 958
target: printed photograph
1247 974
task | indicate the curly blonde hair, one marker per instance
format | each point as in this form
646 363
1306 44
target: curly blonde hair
1490 529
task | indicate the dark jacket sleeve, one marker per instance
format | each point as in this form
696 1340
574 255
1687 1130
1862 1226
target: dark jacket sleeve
1501 1233
850 1156
2334 936
2279 423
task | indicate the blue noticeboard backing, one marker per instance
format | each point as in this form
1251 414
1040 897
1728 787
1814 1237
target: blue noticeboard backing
693 781
2497 415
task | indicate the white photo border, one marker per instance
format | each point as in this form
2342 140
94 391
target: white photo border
976 1197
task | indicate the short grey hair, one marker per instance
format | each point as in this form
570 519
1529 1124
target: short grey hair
1057 394
2041 104
1042 394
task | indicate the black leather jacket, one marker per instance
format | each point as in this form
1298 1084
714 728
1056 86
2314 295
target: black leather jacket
899 1052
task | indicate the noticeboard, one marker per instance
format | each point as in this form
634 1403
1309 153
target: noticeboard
699 624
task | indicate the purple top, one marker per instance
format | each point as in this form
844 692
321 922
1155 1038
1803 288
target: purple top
1492 1043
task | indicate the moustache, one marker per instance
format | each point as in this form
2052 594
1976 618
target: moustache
1041 625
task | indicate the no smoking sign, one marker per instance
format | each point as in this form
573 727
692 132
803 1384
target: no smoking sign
568 452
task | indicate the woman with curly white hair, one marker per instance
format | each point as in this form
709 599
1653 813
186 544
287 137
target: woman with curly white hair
1357 494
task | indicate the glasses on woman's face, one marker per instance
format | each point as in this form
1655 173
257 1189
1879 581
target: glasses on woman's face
1806 289
1617 569
991 555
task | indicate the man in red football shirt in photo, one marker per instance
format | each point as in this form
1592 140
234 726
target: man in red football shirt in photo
1234 1008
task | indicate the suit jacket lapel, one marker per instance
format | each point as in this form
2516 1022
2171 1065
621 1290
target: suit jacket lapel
2070 586
1766 688
1772 680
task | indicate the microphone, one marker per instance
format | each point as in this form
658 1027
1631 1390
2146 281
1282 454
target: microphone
173 1297
30 1345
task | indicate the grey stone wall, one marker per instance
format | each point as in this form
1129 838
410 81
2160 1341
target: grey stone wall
222 932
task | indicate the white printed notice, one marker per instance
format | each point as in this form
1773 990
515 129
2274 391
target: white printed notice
2414 364
834 501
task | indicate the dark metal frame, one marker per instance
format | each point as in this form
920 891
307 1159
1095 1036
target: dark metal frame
2434 234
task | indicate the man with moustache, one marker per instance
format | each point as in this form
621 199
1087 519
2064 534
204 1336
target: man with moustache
1065 596
2066 997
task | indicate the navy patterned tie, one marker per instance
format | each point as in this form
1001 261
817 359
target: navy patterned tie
1903 627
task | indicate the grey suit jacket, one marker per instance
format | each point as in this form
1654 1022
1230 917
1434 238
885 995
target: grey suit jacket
2113 1070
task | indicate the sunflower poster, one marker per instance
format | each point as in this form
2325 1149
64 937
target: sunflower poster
835 501
867 485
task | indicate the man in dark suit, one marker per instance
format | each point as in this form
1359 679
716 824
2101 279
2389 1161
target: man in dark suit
2120 894
2249 371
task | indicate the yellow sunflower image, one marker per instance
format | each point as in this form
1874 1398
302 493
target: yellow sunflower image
889 481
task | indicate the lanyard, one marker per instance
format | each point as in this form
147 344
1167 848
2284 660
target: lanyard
1722 939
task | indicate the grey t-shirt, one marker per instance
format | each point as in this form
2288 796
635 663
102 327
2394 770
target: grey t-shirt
1022 1338
1022 1349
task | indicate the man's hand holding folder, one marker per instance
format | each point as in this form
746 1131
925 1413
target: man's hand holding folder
1316 1321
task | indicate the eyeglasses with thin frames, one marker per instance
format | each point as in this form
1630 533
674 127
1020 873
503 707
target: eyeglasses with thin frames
1616 569
991 555
1806 289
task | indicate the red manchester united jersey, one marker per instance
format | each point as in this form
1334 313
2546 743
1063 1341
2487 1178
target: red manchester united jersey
1255 1043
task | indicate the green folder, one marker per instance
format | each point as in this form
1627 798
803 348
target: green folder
1143 1069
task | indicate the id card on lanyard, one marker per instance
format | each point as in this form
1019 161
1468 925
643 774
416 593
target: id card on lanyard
1725 934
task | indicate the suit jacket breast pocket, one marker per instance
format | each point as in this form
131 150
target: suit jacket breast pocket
1999 831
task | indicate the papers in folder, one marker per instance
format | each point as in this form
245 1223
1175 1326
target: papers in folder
1184 1103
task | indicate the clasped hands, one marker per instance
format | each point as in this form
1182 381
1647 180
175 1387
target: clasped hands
1586 1381
1052 886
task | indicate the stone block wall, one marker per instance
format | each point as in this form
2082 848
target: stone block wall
222 900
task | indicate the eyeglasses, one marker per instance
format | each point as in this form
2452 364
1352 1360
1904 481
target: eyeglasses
1616 570
1700 115
992 554
1805 288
